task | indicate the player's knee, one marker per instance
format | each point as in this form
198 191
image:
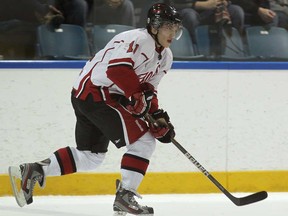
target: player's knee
143 147
86 160
95 159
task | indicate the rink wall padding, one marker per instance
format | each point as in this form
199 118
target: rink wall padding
160 183
244 147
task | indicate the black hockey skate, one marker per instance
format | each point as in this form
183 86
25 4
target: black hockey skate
29 174
125 203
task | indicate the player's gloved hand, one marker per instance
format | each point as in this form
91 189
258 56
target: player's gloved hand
164 130
141 101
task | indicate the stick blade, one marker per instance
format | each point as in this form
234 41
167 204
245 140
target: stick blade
256 197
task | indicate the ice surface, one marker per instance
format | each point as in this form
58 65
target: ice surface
164 205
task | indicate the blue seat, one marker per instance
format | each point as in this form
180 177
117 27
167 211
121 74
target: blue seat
183 49
17 39
102 34
267 43
66 42
221 43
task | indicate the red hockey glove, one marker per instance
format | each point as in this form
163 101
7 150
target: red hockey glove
164 130
141 101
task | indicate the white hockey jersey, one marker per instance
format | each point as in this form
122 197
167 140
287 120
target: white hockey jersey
136 49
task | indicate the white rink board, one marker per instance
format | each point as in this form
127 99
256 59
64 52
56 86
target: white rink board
228 120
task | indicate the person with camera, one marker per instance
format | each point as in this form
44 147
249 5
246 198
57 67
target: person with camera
209 12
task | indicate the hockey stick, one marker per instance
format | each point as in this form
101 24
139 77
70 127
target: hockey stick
237 201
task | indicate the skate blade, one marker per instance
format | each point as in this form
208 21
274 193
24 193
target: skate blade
15 174
121 213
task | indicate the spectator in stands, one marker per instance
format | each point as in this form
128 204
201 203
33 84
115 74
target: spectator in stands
33 11
75 12
208 12
18 23
113 12
280 7
257 12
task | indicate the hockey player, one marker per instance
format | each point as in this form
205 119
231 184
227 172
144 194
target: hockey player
111 97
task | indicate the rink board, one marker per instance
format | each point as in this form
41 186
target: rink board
177 182
160 183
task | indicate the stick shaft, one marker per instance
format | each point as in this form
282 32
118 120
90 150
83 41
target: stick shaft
237 201
200 167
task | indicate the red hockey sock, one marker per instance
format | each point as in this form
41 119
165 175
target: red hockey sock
134 163
66 161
